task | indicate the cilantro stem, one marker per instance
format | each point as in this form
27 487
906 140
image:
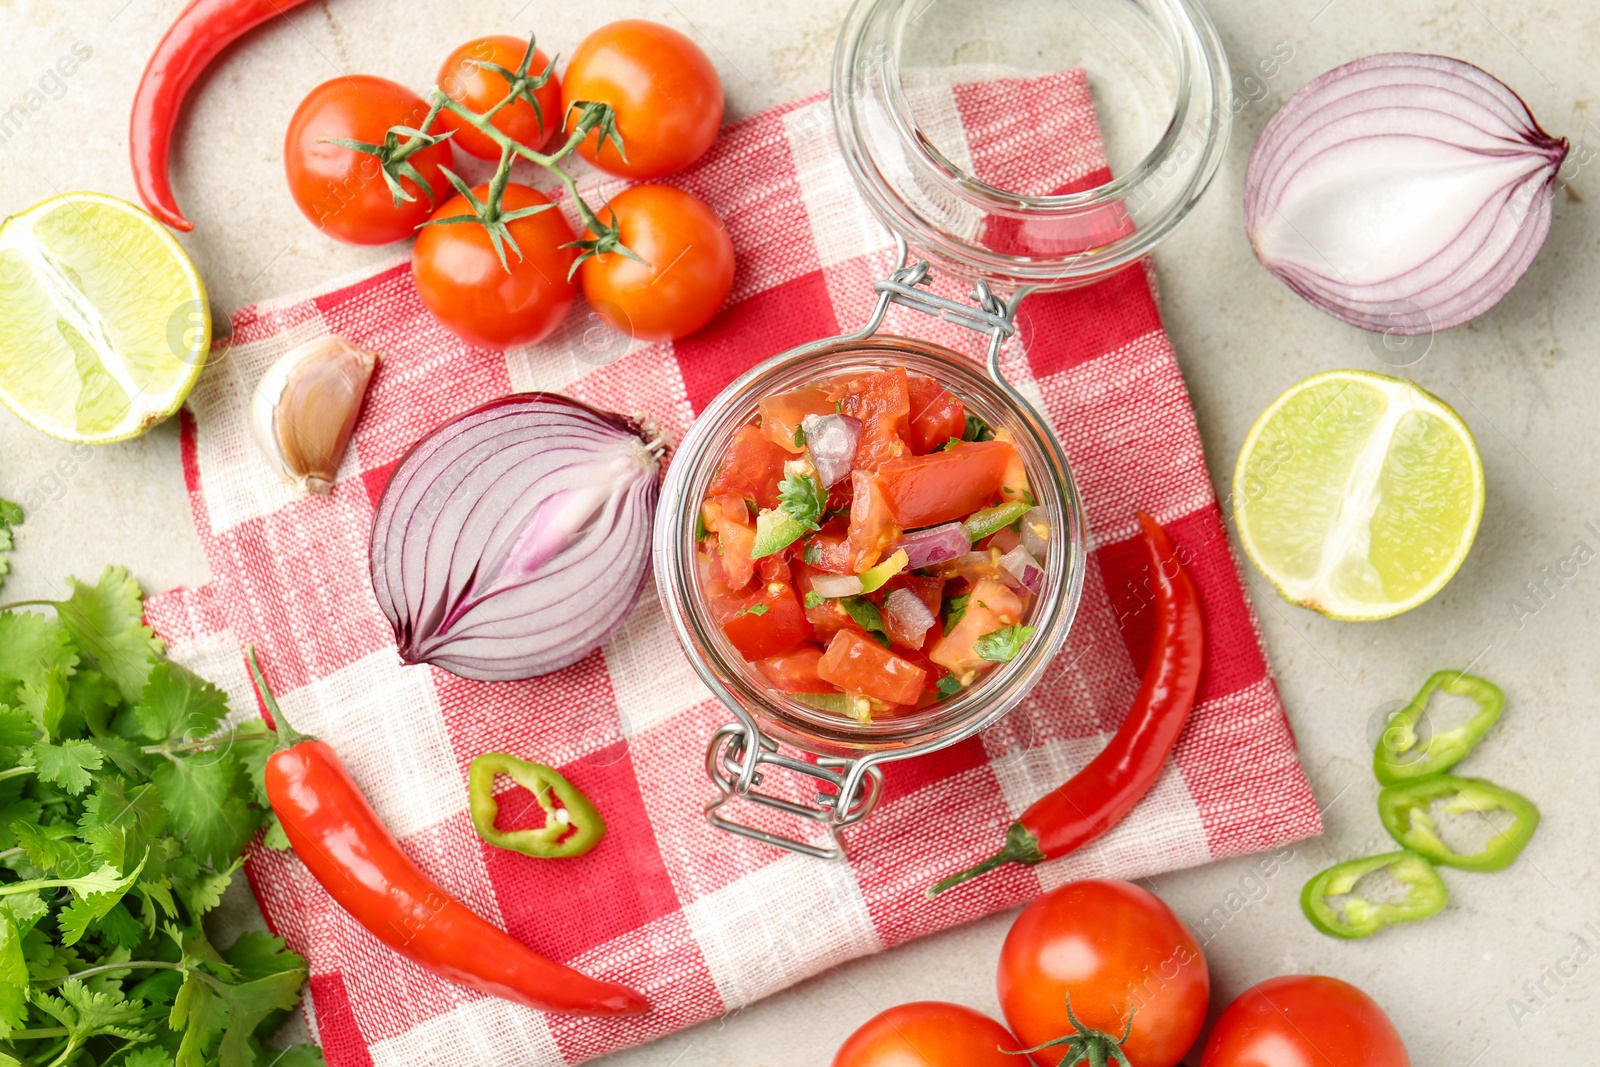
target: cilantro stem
10 852
16 771
106 968
37 1032
29 604
170 749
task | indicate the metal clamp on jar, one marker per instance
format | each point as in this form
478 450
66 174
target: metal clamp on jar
1161 81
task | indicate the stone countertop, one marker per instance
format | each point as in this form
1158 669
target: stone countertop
1490 974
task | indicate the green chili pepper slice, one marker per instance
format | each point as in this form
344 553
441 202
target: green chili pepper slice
570 829
986 521
1356 916
1402 756
1408 813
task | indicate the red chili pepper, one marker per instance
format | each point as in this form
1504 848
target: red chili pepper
1097 797
347 848
200 33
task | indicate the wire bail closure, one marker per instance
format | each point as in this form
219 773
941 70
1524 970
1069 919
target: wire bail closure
850 788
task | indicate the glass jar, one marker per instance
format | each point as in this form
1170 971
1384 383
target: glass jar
1160 81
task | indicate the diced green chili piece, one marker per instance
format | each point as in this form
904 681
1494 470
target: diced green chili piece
776 530
1403 756
986 521
851 707
1407 812
570 829
872 578
1356 916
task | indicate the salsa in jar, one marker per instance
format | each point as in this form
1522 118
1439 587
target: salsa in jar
869 546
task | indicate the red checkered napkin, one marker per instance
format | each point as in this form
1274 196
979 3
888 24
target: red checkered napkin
699 920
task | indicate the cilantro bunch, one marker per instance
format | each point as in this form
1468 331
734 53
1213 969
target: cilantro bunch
123 814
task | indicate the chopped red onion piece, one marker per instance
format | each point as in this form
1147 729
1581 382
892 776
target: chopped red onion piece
1036 532
836 585
936 544
1020 564
513 540
832 441
1401 193
908 613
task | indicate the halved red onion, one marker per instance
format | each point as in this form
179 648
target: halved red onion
832 441
513 540
936 544
1402 193
836 585
907 613
1035 530
1020 564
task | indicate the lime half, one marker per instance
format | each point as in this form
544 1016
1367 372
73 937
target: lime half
1358 495
106 321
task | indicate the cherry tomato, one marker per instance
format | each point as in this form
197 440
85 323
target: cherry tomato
946 485
859 664
1116 950
882 402
461 281
1304 1021
665 92
343 191
467 83
751 467
687 269
769 622
936 415
930 1034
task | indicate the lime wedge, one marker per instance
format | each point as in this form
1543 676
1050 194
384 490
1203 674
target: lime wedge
106 321
1358 495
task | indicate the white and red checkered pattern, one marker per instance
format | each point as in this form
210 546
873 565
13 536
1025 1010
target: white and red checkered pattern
702 921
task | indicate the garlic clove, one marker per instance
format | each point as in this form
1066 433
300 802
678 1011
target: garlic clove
305 408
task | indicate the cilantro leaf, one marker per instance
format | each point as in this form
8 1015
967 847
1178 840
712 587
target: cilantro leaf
202 795
802 496
46 701
867 616
799 436
177 704
976 430
10 515
149 1056
30 645
14 979
106 622
86 1014
815 599
757 610
955 609
67 764
812 553
948 687
16 726
1002 646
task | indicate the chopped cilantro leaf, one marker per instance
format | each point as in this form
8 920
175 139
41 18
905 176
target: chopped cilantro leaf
1032 503
948 445
700 531
799 436
867 616
1002 646
977 430
948 687
955 609
802 497
815 599
812 553
10 515
757 610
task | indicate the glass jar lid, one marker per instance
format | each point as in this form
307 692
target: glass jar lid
1032 143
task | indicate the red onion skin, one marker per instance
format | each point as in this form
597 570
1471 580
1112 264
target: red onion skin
1435 294
910 613
463 653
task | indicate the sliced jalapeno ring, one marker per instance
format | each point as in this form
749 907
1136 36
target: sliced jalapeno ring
571 828
1408 813
1403 756
1356 916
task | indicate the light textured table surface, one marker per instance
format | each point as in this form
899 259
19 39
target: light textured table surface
1517 375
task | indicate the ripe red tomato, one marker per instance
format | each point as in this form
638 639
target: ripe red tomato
687 269
930 1034
936 415
461 281
343 191
1304 1021
1115 949
467 83
665 92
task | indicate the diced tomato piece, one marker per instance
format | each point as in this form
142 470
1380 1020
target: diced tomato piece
882 402
928 590
767 623
775 568
736 538
1014 483
826 617
936 415
752 467
859 664
991 607
829 548
780 414
840 495
795 671
943 486
872 526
